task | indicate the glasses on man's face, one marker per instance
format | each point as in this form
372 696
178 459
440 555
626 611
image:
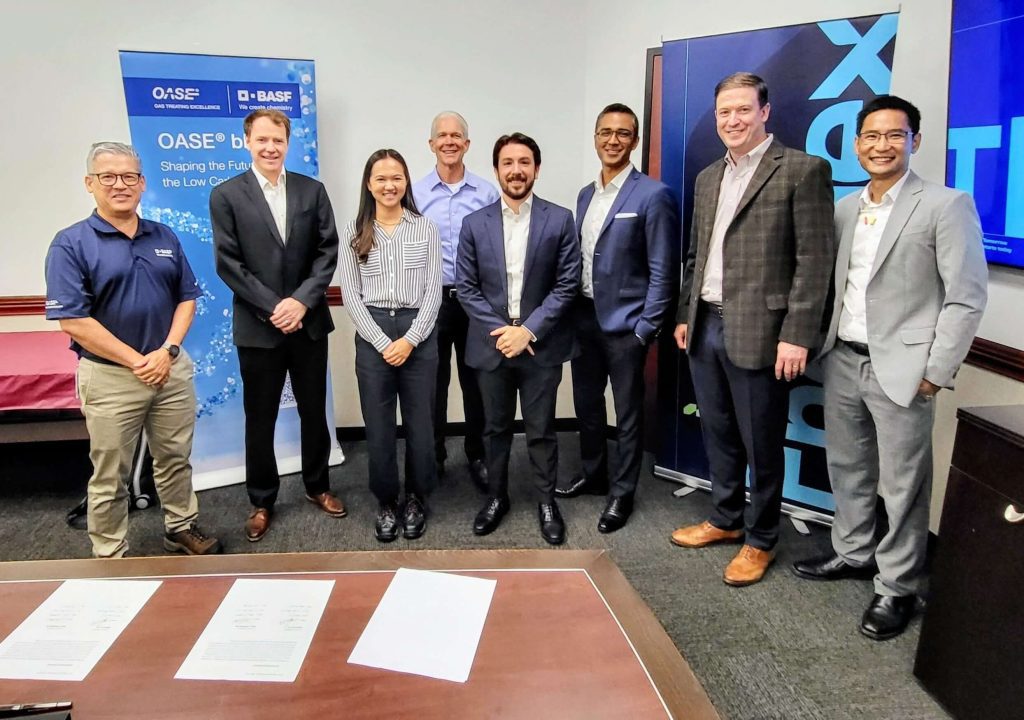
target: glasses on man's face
893 137
621 134
110 179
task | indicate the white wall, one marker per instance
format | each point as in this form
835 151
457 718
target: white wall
383 71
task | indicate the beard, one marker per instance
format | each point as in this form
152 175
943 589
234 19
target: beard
516 195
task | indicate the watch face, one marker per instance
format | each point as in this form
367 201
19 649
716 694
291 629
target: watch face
173 350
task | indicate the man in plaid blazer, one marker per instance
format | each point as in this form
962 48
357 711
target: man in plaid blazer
750 310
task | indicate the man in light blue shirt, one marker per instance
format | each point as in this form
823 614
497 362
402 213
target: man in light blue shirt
447 195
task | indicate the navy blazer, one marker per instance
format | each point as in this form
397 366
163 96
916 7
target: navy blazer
260 269
636 260
551 278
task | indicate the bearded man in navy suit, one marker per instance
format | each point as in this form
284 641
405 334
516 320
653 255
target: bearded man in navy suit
517 274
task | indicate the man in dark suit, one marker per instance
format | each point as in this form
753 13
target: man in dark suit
629 235
750 310
276 247
518 271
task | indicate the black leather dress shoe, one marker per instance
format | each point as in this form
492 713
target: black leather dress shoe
615 514
831 567
478 471
488 519
552 527
580 485
414 519
386 528
887 616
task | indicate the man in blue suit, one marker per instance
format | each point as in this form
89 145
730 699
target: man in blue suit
517 273
629 230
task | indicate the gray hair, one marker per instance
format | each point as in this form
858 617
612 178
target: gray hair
110 148
449 114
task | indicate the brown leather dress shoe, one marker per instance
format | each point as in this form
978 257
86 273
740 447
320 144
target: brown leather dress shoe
257 524
748 567
697 536
329 503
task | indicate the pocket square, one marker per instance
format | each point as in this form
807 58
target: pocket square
624 216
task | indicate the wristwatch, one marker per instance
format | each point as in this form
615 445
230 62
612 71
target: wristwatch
172 350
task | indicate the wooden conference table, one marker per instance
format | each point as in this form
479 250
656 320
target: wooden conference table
566 637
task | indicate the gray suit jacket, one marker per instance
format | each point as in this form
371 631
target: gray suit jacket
777 255
927 289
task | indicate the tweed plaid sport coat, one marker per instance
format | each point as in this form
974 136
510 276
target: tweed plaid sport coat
778 256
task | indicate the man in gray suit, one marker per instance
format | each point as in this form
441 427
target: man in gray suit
750 310
911 285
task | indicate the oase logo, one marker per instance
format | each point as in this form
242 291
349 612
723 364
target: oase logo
175 93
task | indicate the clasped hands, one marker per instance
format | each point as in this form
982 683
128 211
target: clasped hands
154 368
512 340
287 315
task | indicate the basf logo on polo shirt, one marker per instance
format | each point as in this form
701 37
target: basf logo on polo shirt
175 93
164 252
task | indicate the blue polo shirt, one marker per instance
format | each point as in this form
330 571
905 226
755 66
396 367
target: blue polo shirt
131 286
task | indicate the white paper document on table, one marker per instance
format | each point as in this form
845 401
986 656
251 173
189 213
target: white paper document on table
261 631
427 623
69 632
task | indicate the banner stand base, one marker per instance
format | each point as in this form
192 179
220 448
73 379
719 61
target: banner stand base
799 516
235 475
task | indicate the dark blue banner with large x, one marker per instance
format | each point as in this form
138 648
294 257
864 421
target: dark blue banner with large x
819 75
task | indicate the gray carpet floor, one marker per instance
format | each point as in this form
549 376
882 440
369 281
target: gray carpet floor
784 649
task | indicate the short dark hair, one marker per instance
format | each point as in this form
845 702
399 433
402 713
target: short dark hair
619 108
891 102
275 116
516 138
744 79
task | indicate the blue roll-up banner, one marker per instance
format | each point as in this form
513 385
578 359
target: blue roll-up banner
819 75
185 114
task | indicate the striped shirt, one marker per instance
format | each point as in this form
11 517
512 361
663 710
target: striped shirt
403 270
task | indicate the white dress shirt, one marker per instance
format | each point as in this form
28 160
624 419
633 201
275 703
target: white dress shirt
734 183
277 199
516 227
597 212
871 222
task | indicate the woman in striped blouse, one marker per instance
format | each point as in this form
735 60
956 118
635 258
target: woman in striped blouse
391 286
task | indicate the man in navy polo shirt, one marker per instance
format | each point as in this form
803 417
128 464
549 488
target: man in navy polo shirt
122 289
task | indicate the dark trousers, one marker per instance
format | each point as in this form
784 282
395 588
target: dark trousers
618 357
452 325
743 416
381 389
537 387
263 373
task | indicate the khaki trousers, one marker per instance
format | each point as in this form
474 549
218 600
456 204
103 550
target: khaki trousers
117 406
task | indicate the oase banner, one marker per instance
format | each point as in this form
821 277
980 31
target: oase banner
185 113
819 75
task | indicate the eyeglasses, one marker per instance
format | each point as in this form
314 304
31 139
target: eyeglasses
110 179
606 134
894 137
